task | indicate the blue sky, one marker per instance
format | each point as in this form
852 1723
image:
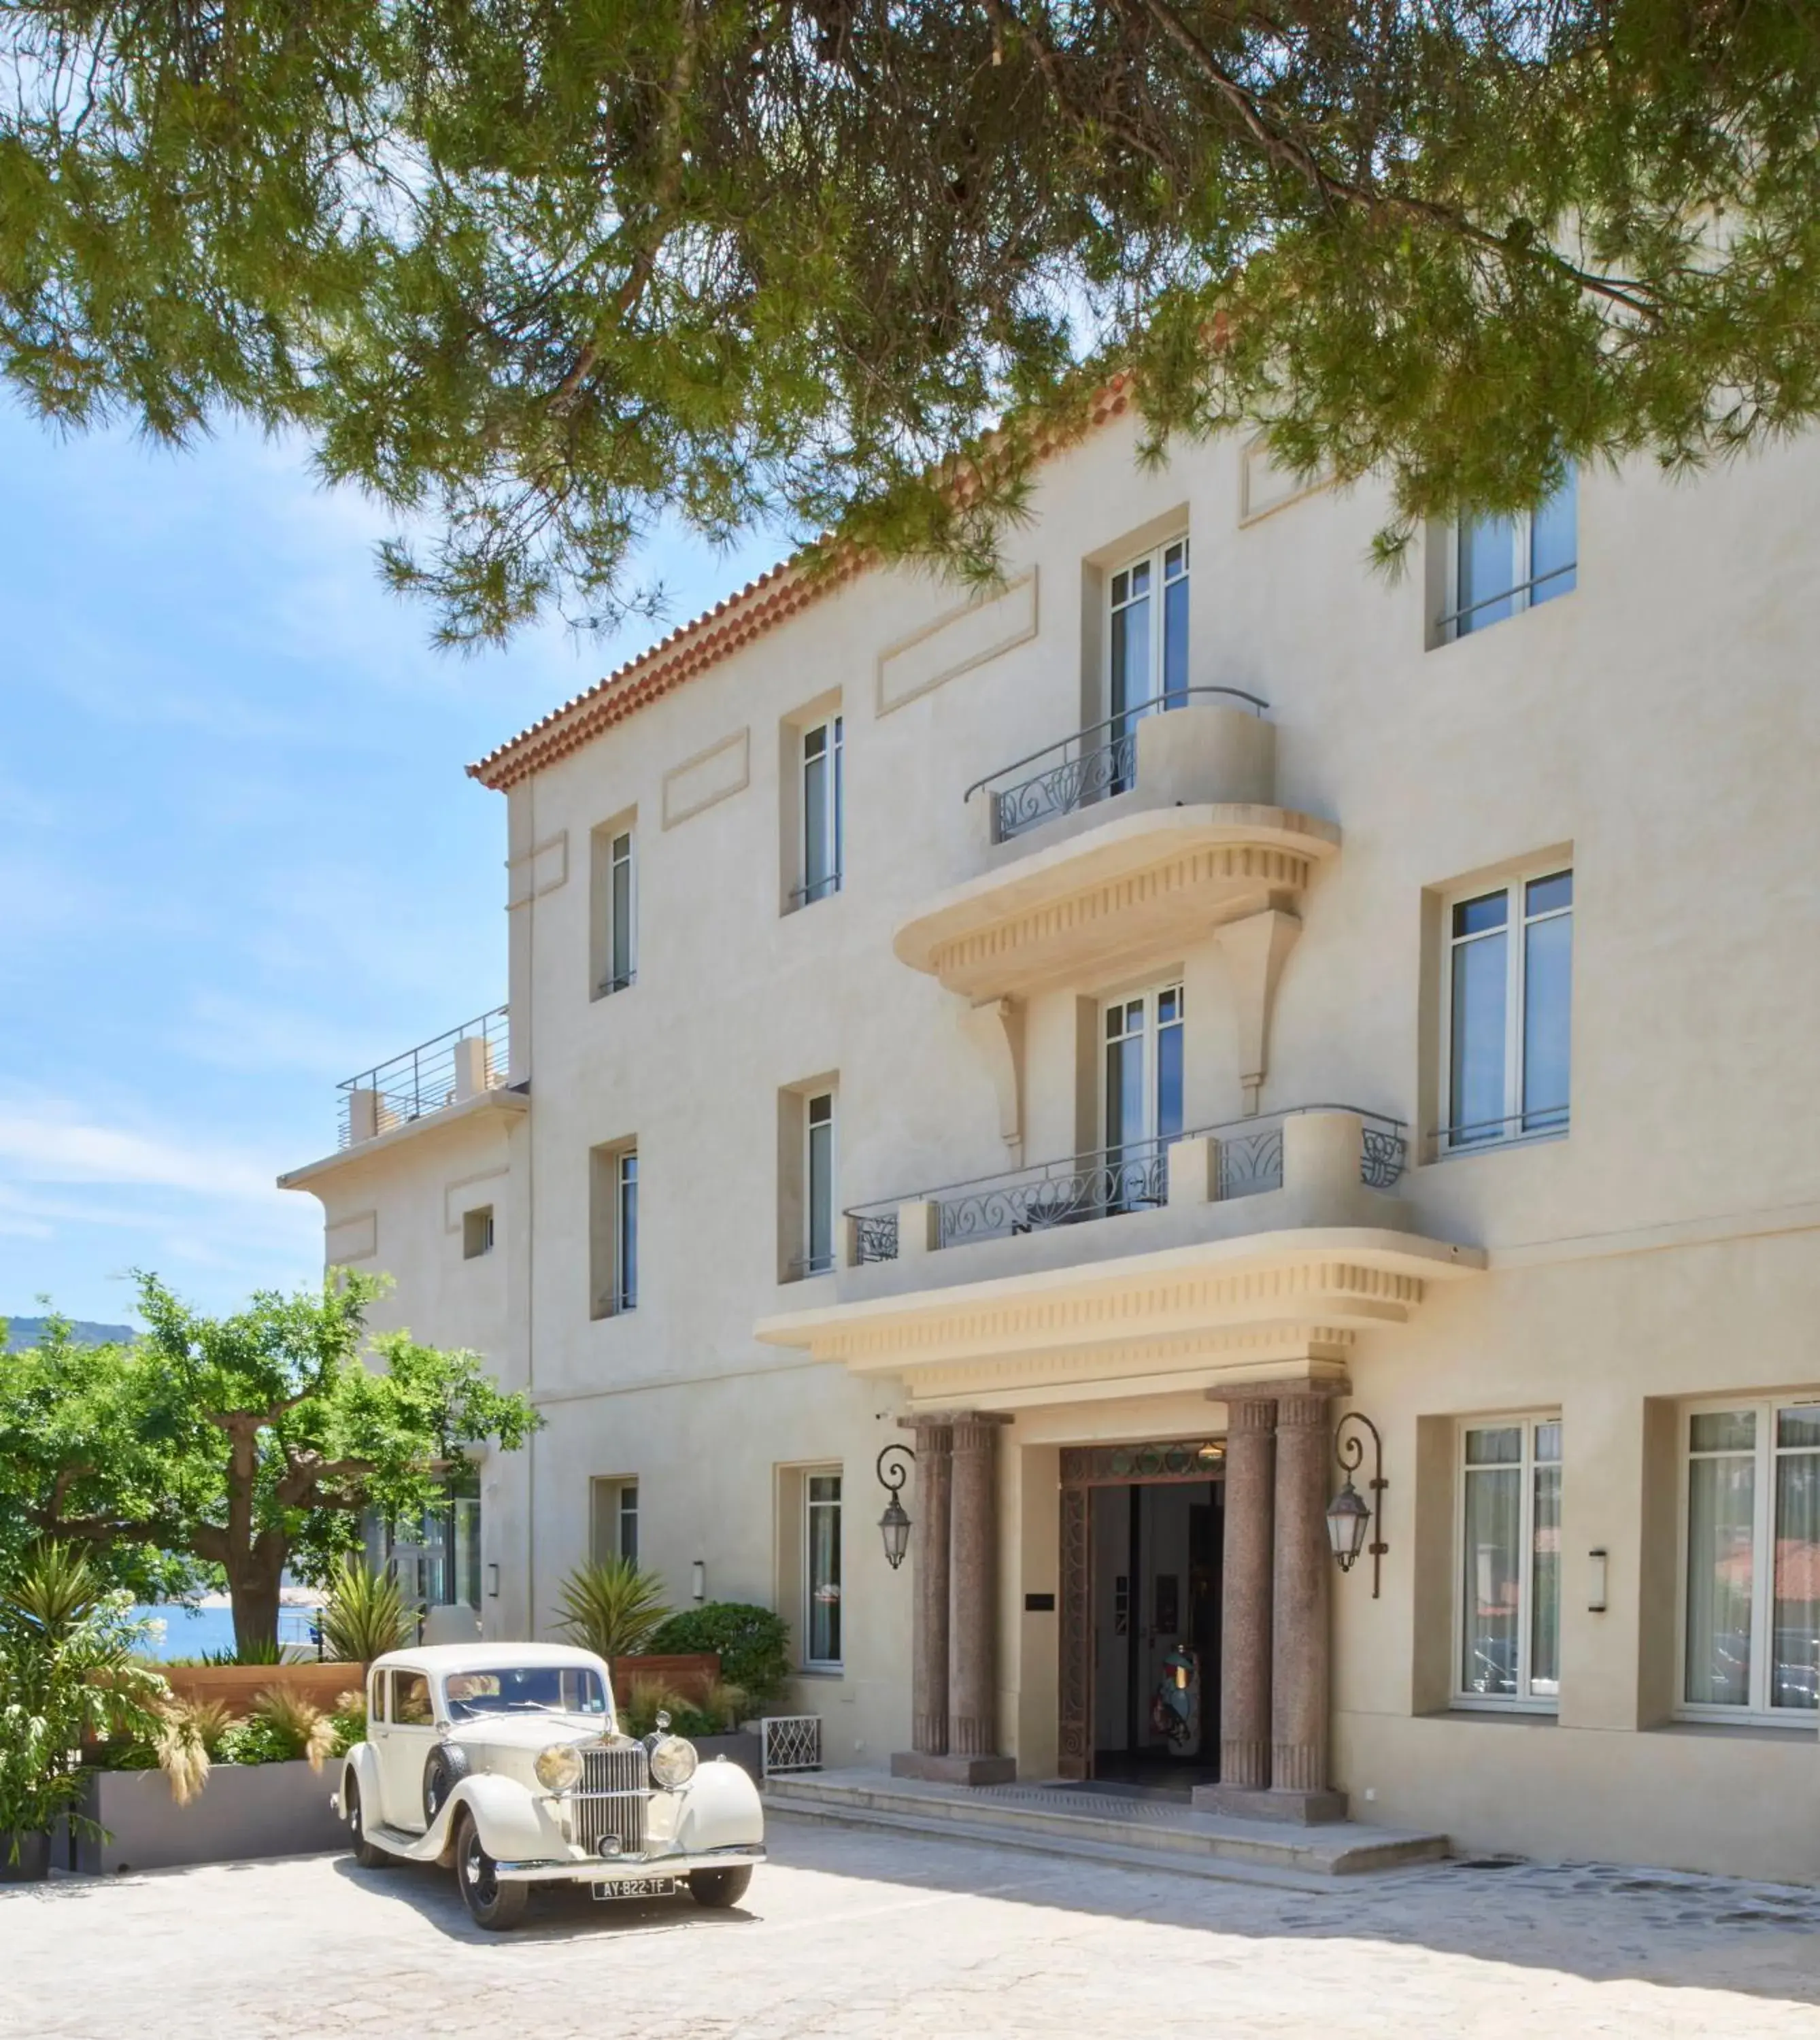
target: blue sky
239 858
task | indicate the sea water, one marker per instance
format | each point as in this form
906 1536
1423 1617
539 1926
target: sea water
194 1632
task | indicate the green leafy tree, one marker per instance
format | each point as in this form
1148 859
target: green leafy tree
232 1447
538 272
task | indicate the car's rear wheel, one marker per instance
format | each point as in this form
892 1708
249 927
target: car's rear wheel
490 1902
720 1887
366 1854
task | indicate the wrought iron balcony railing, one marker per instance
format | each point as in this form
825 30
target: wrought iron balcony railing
426 1078
1091 765
1110 1181
1473 1137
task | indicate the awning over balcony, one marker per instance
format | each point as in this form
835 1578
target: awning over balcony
1264 1306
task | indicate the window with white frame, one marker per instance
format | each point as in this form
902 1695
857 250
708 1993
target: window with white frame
1498 565
613 1229
626 1220
1751 1556
1510 1581
1147 641
619 907
615 1505
1141 1092
627 1515
824 805
821 1572
477 1232
819 1204
1509 988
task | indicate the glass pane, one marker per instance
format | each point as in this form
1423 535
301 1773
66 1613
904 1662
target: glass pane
1723 1431
1547 979
1480 916
1475 1089
1130 660
1545 1577
816 867
1554 543
1548 895
629 1523
1795 1625
1548 1443
1487 568
1502 1446
1721 1508
824 1568
1124 1091
1175 640
1798 1426
821 1196
837 844
622 963
1491 1581
629 1232
1169 1078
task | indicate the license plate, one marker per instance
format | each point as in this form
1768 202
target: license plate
638 1887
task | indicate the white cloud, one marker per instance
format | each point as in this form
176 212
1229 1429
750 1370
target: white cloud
52 1147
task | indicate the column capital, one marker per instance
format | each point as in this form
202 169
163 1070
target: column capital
947 1419
1305 1411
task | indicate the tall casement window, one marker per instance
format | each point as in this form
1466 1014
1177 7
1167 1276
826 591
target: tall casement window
824 803
628 1521
1509 981
1509 1589
614 941
819 1204
1499 565
1147 642
821 1572
613 1229
1143 1077
615 1508
1752 1644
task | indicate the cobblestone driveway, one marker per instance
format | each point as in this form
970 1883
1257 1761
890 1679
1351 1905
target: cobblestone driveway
848 1933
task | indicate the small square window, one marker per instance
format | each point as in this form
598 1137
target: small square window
477 1232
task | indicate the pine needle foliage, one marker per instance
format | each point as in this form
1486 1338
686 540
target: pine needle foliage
539 273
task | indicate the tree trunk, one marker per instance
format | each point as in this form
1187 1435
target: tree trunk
252 1587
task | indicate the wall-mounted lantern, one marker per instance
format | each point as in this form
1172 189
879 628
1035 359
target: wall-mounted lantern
698 1581
894 1525
1349 1514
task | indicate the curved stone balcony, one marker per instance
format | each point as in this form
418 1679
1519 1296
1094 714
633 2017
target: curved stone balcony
1149 832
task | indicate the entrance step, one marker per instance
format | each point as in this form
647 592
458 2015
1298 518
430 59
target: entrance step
1143 1833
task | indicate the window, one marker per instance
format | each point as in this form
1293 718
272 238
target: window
620 942
1510 1597
477 1233
1510 978
1498 565
613 1229
614 1509
818 1183
823 812
411 1700
1752 1548
821 1583
1141 1094
1146 656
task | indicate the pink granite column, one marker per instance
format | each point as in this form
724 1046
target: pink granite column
973 1604
1245 1595
929 1566
1300 1688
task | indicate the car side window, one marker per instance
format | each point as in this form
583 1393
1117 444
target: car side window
411 1699
376 1697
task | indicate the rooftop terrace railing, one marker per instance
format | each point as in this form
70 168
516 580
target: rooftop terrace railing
466 1061
1106 1182
1094 763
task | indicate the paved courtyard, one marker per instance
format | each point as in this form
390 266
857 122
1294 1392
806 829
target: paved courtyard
849 1933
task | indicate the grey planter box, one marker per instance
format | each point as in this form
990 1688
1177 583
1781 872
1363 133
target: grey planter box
245 1810
744 1749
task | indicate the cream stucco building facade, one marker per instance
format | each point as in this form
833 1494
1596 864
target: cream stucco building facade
1390 999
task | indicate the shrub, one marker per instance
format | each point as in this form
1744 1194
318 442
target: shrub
752 1643
364 1616
188 1743
349 1719
611 1608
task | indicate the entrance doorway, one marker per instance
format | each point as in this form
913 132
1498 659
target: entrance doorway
1143 1535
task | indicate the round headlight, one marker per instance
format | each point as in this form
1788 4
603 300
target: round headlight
673 1762
558 1767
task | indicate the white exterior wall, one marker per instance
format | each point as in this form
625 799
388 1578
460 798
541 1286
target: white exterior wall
1657 727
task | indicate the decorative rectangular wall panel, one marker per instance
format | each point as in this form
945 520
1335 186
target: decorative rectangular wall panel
963 638
710 775
350 1239
1265 485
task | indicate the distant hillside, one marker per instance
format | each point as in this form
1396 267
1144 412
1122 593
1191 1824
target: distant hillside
22 1332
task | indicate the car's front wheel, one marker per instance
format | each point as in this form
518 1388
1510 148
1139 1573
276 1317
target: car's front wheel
490 1903
366 1854
720 1887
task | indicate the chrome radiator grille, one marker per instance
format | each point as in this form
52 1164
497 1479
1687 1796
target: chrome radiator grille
611 1799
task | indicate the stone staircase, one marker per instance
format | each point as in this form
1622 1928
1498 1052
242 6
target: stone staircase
1139 1832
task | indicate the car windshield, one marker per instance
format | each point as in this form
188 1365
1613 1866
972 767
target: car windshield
518 1689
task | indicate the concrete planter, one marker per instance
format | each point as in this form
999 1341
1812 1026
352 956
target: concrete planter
245 1810
33 1864
744 1748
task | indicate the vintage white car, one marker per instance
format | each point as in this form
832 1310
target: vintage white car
505 1761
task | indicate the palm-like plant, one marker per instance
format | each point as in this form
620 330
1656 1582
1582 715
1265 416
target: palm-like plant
365 1614
611 1608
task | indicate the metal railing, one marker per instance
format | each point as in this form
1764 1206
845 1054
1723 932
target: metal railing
1106 1182
788 1743
426 1078
1472 1136
1092 771
1450 622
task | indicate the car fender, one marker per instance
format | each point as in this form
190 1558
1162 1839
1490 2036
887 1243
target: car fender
721 1809
361 1764
516 1825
